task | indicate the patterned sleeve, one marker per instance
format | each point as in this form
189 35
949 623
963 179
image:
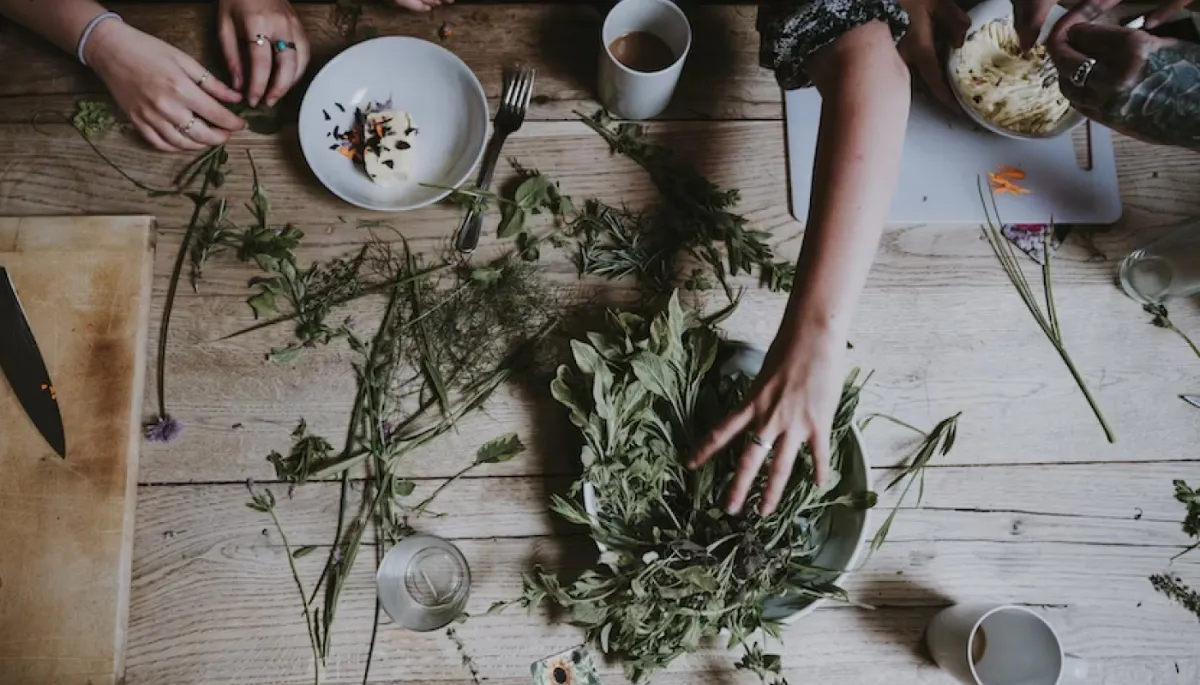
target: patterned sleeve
791 30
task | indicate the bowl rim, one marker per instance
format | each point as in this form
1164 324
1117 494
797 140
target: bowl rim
985 13
480 97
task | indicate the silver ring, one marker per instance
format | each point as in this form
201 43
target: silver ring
760 441
260 40
1080 76
186 128
203 78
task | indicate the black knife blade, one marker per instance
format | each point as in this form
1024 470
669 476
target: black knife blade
25 369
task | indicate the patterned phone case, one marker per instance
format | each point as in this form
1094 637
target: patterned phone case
572 667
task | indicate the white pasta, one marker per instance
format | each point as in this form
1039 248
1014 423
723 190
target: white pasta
1006 86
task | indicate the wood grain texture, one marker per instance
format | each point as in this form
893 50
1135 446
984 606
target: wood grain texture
1032 507
722 79
939 322
66 526
216 605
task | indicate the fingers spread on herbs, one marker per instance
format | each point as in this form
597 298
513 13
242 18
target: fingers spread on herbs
793 402
265 46
172 101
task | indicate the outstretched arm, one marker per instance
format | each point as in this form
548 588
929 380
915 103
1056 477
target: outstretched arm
865 93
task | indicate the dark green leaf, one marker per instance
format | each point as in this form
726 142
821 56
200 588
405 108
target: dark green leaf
304 551
499 449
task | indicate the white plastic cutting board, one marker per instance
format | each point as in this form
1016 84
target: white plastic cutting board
944 155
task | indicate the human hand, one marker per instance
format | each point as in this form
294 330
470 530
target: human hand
240 24
1144 86
918 47
1028 18
793 401
170 99
421 5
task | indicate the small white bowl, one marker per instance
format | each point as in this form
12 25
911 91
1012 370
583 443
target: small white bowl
981 14
443 95
846 537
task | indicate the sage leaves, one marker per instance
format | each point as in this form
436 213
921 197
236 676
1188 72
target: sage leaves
498 450
675 569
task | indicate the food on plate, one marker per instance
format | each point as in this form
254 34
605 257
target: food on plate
382 139
1005 86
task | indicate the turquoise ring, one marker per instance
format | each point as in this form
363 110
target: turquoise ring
282 45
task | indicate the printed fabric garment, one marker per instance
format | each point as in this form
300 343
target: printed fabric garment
791 30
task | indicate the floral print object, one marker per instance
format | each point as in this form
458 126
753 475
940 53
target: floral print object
1028 238
572 667
791 30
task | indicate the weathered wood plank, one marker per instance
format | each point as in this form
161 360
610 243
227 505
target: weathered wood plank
1020 507
722 79
208 610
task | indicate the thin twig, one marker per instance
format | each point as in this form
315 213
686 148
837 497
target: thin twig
308 620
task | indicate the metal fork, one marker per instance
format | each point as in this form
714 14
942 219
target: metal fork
514 102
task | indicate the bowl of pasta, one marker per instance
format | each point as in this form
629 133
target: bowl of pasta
1005 90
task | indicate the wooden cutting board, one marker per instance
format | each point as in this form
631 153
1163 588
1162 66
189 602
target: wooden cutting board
66 526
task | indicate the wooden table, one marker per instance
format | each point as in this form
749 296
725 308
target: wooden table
1032 507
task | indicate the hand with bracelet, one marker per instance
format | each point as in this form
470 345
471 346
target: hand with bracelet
173 101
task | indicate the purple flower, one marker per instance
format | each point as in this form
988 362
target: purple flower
163 429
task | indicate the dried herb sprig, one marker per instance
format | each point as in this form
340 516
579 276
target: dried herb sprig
1047 320
210 165
1173 587
264 502
93 118
939 441
697 212
1163 320
1191 523
675 568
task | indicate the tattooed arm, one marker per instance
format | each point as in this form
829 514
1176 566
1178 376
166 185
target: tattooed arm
1141 85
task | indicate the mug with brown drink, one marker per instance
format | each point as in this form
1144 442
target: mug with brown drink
645 43
999 644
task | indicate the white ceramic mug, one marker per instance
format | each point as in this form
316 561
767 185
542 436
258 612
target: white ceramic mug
631 94
998 644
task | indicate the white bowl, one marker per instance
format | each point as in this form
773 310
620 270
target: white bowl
444 97
981 14
846 537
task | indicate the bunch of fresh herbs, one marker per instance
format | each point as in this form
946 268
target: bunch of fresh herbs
675 568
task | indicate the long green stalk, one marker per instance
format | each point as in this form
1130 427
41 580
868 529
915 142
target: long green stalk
1048 321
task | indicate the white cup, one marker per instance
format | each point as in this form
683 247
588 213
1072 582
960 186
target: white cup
998 644
631 94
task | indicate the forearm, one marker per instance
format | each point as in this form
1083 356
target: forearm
59 21
864 87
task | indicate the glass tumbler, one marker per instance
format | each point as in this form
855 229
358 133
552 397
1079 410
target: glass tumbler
423 582
1166 268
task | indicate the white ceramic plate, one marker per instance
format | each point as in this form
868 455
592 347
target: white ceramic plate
846 537
444 97
988 11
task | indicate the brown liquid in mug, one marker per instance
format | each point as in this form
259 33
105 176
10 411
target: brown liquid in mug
642 51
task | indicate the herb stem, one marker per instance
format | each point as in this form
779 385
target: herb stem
308 620
161 363
420 508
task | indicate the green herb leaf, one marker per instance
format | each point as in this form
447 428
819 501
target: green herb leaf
499 449
301 552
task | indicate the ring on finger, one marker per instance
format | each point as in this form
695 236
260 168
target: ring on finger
185 129
760 441
203 77
1079 76
260 40
283 45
